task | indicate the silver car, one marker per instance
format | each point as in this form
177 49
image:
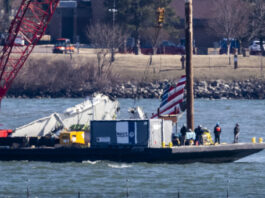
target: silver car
254 48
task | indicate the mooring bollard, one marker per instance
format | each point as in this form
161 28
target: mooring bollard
254 140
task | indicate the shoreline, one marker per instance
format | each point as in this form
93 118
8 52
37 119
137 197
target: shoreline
217 89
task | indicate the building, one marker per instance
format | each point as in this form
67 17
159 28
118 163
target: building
203 11
71 20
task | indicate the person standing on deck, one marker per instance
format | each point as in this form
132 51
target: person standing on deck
236 133
198 132
183 131
217 133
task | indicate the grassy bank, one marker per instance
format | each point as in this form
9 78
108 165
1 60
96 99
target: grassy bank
132 67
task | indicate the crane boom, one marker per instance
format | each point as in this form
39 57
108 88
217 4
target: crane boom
30 24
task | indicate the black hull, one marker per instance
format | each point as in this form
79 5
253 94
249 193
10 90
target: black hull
188 154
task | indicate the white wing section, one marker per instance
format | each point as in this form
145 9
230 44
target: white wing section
40 127
99 108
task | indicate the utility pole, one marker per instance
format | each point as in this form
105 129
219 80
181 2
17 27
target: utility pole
189 67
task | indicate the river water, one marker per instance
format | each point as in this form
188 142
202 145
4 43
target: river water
244 178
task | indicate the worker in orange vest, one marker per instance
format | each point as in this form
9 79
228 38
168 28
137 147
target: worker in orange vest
217 133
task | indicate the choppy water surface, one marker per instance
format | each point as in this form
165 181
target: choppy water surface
244 178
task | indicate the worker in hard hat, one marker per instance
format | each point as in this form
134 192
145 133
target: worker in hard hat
217 133
236 133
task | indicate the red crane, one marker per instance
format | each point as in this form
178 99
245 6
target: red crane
29 24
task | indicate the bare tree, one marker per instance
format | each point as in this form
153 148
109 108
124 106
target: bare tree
257 22
230 20
154 36
106 40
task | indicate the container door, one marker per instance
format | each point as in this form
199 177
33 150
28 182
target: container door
122 132
167 131
155 133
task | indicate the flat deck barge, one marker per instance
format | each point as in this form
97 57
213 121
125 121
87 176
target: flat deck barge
182 154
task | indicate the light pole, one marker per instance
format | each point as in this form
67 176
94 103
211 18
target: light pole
113 10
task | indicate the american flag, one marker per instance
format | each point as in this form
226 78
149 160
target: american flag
171 99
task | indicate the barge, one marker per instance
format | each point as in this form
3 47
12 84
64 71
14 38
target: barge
122 141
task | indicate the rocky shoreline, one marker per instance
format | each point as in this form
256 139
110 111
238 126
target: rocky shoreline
218 89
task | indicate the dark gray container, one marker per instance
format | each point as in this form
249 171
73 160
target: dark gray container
143 133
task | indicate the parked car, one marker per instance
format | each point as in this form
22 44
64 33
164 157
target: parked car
234 45
146 48
19 41
168 47
254 48
63 46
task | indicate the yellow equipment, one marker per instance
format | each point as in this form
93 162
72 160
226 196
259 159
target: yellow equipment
207 138
72 137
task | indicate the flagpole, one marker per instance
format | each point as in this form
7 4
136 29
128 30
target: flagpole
189 67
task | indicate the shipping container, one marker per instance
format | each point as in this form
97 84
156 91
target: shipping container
131 133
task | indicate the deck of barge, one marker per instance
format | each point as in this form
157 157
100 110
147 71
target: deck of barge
183 154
